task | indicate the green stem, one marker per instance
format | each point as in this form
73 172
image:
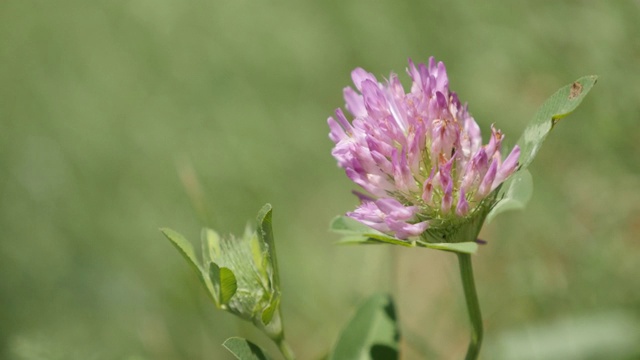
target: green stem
469 286
275 331
285 349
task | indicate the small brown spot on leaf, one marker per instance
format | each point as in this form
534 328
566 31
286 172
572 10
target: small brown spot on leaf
576 90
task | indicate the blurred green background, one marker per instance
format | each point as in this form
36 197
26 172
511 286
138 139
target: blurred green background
108 108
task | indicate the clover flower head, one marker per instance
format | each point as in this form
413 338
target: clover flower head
418 155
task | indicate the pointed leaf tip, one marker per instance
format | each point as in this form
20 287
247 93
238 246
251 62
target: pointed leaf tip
562 103
265 228
517 190
183 245
265 213
265 234
185 248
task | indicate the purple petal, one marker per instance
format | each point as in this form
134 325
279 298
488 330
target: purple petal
374 99
485 185
389 216
342 120
427 189
362 197
462 208
359 75
447 197
404 230
336 133
395 209
472 137
383 163
442 83
374 187
494 142
354 102
402 174
507 168
369 214
475 170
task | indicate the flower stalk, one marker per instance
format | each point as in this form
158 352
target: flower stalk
473 306
285 349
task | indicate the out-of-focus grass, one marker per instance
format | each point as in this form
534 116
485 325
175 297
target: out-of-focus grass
102 102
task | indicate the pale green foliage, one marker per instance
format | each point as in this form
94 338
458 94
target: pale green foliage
244 349
562 103
516 191
239 274
372 333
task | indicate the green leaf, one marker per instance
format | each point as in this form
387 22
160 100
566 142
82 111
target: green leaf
463 247
371 334
259 255
224 283
244 349
515 192
214 276
185 248
210 245
357 233
265 234
559 105
375 238
228 285
269 311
